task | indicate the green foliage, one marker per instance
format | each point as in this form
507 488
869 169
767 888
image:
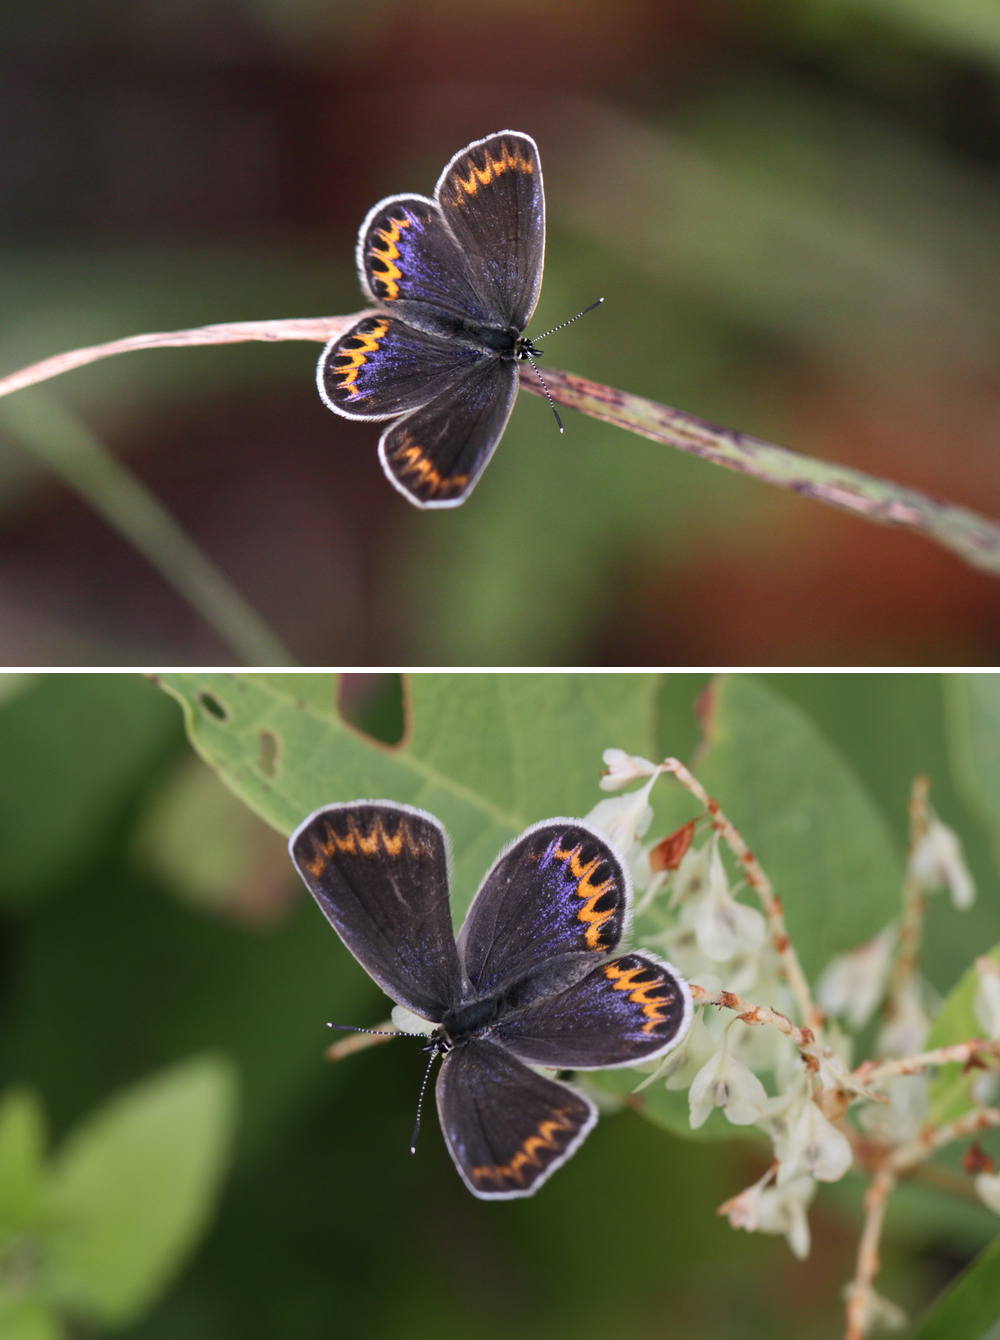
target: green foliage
487 754
163 866
951 1087
100 1231
492 754
797 801
26 1318
22 1149
200 840
83 745
974 713
968 1310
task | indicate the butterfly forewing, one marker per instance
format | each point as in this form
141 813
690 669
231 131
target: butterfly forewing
435 455
557 898
492 198
507 1128
460 276
379 872
382 368
623 1012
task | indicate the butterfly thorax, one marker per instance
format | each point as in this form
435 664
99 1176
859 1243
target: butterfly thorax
505 341
466 1021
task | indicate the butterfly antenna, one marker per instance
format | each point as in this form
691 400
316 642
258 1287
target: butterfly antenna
378 1032
548 393
420 1101
569 320
534 366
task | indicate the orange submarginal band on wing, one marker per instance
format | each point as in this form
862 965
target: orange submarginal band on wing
510 160
389 254
350 361
639 989
528 1154
356 841
413 462
591 893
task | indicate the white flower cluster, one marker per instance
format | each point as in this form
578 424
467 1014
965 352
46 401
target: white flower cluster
719 941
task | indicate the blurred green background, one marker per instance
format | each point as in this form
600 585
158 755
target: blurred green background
146 917
792 210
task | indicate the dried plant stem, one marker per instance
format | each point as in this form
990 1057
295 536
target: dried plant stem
803 1038
902 1159
859 1292
320 328
911 927
871 1073
812 1017
975 539
936 1137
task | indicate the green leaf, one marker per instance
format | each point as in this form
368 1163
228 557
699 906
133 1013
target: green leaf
951 1093
133 1187
73 773
24 1317
824 844
487 754
973 708
22 1150
203 843
968 1309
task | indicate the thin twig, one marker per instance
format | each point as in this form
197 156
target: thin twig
870 1073
903 1159
321 328
935 1137
859 1291
974 538
812 1016
803 1038
911 927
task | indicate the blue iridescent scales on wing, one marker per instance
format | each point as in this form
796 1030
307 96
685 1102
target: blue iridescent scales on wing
456 278
533 978
382 369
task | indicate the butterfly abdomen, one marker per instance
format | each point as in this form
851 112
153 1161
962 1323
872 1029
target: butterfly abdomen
458 329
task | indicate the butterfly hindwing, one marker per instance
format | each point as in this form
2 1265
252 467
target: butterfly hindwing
628 1010
435 455
382 368
507 1128
455 278
556 899
493 201
379 872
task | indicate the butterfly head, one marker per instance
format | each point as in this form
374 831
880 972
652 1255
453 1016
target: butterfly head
525 349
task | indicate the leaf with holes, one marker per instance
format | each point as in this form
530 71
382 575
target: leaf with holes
487 754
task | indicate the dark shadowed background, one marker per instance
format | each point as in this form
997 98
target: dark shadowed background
791 209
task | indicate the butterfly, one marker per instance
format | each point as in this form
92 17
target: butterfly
534 978
456 280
